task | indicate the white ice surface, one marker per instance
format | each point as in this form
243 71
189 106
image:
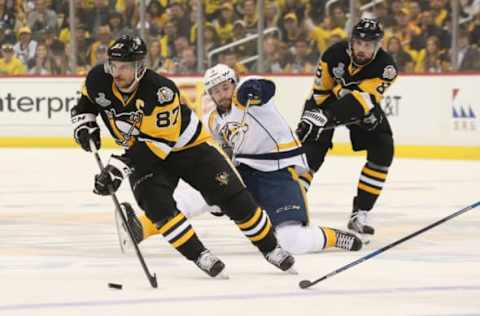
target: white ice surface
59 250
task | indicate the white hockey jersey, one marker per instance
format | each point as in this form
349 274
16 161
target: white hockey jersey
260 137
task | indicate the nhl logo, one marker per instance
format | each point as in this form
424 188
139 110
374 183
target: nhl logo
102 100
222 178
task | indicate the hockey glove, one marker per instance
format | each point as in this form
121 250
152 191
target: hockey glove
111 176
250 90
372 119
311 125
85 127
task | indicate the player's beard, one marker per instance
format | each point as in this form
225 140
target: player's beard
362 58
224 104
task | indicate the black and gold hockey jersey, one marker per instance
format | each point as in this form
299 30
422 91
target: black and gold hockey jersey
150 120
337 77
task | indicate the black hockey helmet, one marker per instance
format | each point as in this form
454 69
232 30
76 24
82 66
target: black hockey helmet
127 48
368 30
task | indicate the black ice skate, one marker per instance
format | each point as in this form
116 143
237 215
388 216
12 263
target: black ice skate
132 222
282 259
358 223
347 241
210 264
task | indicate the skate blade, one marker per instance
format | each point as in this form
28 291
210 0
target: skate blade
222 276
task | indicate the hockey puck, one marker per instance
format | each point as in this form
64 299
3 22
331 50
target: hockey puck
115 286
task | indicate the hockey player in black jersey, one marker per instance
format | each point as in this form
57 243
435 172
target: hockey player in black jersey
164 141
349 84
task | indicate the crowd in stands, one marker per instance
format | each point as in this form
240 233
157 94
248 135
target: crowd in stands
35 34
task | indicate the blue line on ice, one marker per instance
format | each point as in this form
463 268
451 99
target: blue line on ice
250 296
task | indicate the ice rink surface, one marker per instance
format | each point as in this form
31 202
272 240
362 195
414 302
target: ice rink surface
59 249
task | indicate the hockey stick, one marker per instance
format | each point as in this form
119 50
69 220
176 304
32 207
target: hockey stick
118 212
306 283
241 125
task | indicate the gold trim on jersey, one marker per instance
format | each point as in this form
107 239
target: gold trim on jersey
364 99
211 120
296 178
322 84
164 122
118 94
84 92
286 146
158 148
371 85
353 69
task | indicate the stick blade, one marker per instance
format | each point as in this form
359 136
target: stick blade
304 284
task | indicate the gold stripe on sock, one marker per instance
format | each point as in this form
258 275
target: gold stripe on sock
373 173
331 237
369 189
170 223
263 233
184 238
252 220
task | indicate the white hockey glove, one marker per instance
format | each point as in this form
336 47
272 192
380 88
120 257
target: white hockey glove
111 176
311 125
85 127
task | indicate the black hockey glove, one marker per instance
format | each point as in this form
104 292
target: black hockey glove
372 119
85 127
311 125
250 90
111 176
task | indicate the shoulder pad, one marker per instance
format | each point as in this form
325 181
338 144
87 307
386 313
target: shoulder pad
97 79
335 52
385 65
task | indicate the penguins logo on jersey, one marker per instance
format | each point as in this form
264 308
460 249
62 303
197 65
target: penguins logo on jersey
234 133
222 178
125 126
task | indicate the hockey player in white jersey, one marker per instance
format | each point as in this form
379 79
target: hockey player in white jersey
268 156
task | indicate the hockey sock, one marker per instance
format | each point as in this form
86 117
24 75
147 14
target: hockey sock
259 230
370 185
299 239
330 237
180 234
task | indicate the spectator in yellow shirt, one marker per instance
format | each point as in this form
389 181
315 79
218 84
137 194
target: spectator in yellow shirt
10 64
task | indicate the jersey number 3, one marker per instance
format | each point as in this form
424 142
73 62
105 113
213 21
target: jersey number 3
168 118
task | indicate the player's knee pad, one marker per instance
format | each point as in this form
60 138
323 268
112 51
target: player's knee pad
239 206
381 152
299 239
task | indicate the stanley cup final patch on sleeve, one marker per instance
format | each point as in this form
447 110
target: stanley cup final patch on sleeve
165 95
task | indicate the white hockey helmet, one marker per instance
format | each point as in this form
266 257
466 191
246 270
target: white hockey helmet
218 74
